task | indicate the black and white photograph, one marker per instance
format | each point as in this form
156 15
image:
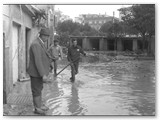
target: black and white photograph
79 59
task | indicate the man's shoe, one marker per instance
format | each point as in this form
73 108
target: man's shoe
55 75
44 108
72 80
39 111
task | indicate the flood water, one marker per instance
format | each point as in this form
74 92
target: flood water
124 87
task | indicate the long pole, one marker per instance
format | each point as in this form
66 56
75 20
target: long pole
67 66
53 22
115 41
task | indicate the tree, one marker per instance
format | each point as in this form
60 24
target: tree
117 28
112 29
85 27
67 26
76 29
64 38
105 27
140 17
127 30
76 32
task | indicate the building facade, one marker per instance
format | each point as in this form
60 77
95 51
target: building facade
95 20
18 34
104 43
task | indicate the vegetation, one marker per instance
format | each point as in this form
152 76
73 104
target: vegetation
142 18
136 20
68 27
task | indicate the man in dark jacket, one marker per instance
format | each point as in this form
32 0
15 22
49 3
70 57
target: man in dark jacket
39 67
74 57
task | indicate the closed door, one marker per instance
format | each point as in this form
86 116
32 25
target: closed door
15 53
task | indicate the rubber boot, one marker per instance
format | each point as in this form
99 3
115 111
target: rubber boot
73 76
43 107
37 105
55 73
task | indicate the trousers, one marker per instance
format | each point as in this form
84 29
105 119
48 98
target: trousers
74 69
54 66
36 86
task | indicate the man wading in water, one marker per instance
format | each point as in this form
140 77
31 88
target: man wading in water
74 57
56 52
39 67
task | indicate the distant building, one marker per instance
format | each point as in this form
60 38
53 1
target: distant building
106 43
60 17
64 17
95 20
79 19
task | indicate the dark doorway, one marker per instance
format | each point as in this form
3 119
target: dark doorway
128 45
94 44
79 42
111 44
140 45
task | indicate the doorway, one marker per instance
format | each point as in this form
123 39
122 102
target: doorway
27 41
128 45
94 42
15 38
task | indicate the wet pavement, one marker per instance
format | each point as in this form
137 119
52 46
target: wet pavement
120 87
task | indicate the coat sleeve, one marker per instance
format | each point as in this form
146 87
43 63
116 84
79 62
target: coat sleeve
81 51
38 59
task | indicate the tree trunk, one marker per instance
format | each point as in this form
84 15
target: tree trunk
149 46
143 42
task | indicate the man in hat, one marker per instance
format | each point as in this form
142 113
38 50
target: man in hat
74 57
55 51
39 67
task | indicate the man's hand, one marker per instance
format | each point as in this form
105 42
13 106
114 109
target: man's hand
45 78
85 54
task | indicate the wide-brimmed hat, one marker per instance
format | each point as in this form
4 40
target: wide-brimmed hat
45 31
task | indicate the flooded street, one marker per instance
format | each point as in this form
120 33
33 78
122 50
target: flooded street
125 87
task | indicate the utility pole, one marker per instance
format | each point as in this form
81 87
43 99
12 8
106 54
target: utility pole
51 20
114 35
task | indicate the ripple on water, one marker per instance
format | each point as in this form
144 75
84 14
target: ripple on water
113 89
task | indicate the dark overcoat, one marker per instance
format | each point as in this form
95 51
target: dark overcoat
39 64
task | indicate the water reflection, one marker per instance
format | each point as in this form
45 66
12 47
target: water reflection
74 105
